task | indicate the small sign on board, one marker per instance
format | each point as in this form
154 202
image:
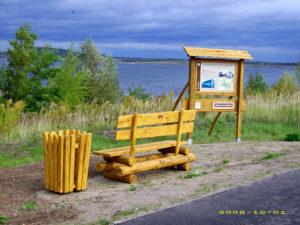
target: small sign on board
223 105
197 105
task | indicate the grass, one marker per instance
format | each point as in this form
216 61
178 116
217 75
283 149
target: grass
104 221
221 167
126 213
132 187
3 219
31 205
272 155
194 173
267 118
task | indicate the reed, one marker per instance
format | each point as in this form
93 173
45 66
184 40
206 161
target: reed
270 108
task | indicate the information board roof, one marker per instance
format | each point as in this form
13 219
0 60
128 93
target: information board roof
216 53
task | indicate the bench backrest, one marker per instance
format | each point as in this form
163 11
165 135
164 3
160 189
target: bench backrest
132 127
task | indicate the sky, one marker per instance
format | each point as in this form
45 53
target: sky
268 29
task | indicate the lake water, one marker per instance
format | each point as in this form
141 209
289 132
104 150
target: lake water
158 78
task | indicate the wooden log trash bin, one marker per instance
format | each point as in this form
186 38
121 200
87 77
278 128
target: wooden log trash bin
122 163
66 160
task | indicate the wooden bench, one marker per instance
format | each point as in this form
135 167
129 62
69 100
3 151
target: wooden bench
122 163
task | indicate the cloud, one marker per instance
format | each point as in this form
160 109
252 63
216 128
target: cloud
160 27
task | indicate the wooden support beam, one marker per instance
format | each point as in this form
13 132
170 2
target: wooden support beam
155 164
240 97
215 120
180 96
133 135
179 131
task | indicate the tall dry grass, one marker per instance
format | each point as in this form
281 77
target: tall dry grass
268 108
274 108
92 118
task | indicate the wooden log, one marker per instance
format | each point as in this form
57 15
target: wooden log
150 157
86 161
46 159
138 148
80 161
51 161
105 166
184 167
55 161
67 154
184 150
155 164
60 164
128 160
72 162
132 178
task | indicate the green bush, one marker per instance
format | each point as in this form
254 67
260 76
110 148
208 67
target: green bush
285 85
69 83
292 137
3 219
256 85
138 92
10 115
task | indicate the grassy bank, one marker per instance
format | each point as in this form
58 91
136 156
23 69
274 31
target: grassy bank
268 118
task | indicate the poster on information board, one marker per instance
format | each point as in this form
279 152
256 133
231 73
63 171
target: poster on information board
216 77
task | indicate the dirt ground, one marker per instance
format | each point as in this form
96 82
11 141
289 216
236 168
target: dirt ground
222 166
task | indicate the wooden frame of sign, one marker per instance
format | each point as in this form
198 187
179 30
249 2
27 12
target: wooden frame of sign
215 83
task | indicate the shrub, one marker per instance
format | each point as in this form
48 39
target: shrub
292 137
3 219
138 92
69 83
255 85
285 85
10 115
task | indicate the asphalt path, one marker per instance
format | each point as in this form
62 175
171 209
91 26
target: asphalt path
273 201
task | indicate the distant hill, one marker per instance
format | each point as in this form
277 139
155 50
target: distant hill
63 52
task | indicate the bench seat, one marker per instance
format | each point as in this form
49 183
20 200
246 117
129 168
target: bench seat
138 148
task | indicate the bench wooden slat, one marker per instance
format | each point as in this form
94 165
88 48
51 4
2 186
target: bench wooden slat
139 148
155 118
157 131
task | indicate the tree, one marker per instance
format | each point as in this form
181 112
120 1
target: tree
285 85
90 56
70 82
256 85
103 84
27 70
